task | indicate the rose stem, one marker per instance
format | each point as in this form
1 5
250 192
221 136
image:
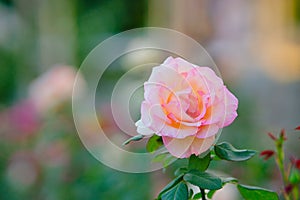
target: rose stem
280 163
202 193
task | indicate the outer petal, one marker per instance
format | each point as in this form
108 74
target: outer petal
152 116
178 132
207 131
183 148
179 64
231 105
142 129
215 112
168 77
156 92
210 75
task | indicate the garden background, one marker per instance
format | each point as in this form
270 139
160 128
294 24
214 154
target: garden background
255 44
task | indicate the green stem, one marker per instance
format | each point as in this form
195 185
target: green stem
203 194
280 164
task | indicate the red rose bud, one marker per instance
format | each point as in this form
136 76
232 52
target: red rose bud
282 134
267 154
272 136
297 128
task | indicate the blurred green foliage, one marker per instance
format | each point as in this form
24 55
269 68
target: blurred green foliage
79 176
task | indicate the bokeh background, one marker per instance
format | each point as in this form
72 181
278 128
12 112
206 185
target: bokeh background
255 44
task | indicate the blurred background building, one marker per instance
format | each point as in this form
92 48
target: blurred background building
255 44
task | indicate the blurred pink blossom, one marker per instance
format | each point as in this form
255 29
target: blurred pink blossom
22 170
20 121
53 154
53 87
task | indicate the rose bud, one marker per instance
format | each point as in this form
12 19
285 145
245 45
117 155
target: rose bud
282 134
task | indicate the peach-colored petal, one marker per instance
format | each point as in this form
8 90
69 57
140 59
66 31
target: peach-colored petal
178 110
155 119
198 82
170 62
207 131
156 92
180 131
183 65
210 76
179 64
231 105
214 113
167 77
183 148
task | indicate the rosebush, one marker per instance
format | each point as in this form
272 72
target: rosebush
185 106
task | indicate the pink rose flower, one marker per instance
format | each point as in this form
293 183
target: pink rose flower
186 105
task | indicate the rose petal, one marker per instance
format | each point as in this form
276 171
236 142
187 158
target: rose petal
142 129
231 104
183 148
179 64
214 113
164 76
155 119
152 116
207 131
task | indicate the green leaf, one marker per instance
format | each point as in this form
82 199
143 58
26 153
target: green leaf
203 180
170 185
154 143
180 171
166 158
179 192
226 151
250 193
294 177
214 156
197 196
199 163
211 193
224 181
160 157
134 138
